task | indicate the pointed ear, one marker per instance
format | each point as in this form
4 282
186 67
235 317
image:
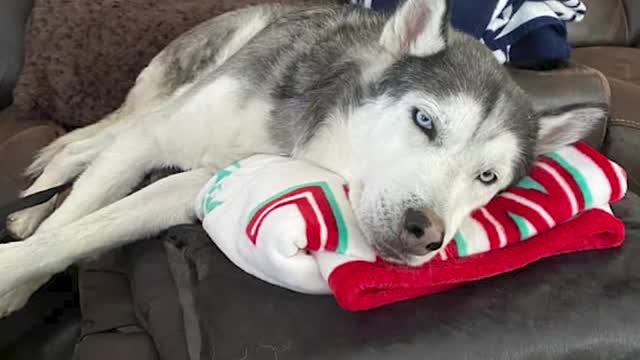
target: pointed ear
565 126
418 28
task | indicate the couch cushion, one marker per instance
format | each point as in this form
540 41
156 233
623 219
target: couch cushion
83 56
156 299
109 346
181 243
577 306
105 297
633 17
608 22
130 292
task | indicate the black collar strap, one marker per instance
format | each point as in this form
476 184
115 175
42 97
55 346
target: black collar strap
27 202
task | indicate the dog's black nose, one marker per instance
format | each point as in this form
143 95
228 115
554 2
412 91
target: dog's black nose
415 222
423 232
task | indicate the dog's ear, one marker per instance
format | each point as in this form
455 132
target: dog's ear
418 28
565 126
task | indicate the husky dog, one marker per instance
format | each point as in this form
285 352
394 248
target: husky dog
421 120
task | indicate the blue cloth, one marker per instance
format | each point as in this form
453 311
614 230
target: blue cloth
519 32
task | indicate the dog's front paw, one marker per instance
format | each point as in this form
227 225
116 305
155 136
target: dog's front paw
16 298
24 223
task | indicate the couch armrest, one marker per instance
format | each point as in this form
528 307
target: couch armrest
574 84
622 143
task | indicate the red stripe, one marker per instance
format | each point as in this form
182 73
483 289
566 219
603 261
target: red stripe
345 188
606 166
555 202
327 214
511 230
264 208
312 226
492 233
535 219
569 179
452 250
254 237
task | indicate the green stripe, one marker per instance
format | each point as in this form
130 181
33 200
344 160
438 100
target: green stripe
208 201
343 238
522 225
577 176
528 183
461 244
222 174
211 204
204 203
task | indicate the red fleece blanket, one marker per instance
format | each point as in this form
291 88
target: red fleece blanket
363 285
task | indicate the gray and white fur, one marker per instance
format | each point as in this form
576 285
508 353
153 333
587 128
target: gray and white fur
421 121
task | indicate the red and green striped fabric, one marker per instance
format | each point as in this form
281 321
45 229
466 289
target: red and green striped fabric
325 224
561 185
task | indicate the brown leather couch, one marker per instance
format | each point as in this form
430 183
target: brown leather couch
608 40
81 57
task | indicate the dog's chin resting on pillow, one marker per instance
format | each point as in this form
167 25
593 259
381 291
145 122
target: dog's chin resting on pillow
290 223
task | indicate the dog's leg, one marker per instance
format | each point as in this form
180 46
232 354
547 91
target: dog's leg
62 168
143 96
68 156
26 265
49 152
110 177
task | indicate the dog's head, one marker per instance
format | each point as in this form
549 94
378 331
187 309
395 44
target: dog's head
444 130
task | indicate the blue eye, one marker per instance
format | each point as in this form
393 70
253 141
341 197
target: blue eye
424 122
488 177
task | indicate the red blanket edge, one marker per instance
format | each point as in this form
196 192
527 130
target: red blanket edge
361 285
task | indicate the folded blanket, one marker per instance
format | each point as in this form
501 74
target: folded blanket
290 223
520 32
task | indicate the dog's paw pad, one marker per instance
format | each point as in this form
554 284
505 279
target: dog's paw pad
21 227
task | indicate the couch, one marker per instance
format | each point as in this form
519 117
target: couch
177 297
